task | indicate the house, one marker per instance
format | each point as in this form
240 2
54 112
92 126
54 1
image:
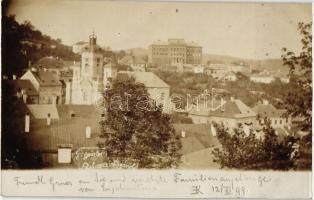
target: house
230 76
184 68
70 127
198 141
47 85
276 116
262 78
24 89
198 69
77 47
230 113
136 63
158 90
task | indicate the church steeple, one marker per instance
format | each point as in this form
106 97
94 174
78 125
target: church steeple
92 41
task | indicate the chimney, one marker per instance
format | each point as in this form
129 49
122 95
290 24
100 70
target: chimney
27 123
88 132
183 133
14 77
24 97
48 119
213 130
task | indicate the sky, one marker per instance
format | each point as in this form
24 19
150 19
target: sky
246 30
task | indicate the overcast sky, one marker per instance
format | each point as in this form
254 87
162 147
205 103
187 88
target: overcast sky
244 30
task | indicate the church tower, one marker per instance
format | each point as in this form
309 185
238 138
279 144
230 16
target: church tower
92 60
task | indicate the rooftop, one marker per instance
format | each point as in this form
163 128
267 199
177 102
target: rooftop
26 85
197 137
267 110
230 109
51 62
176 41
149 79
66 129
46 78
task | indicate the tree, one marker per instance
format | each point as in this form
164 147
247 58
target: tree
246 151
299 99
136 130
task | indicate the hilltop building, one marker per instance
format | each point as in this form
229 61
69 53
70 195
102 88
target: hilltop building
77 47
174 52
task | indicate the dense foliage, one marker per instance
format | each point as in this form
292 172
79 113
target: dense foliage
299 99
23 44
248 151
136 130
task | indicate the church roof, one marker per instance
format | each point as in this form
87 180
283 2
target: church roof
149 79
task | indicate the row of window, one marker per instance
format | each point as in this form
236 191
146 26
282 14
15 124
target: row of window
281 121
97 60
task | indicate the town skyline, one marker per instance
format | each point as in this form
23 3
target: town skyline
249 31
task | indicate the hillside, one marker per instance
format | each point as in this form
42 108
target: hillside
267 64
23 44
274 65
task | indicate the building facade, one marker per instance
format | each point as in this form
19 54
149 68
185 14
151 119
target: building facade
47 85
90 76
174 52
230 112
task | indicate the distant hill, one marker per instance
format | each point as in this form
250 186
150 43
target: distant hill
266 64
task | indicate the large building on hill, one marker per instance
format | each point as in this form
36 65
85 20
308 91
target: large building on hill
174 52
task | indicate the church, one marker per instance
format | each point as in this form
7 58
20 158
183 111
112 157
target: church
90 76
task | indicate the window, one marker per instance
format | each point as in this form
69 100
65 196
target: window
280 121
275 122
98 60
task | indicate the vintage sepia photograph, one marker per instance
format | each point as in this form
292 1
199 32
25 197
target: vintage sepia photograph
156 85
